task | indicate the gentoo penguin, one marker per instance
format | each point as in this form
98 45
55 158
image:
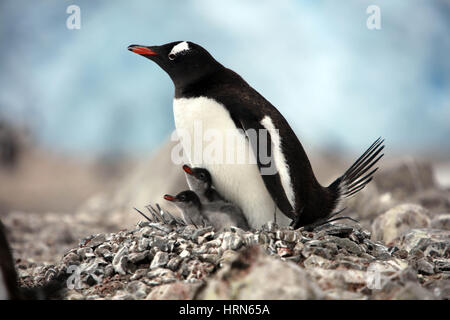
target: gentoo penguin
190 207
218 102
200 181
219 214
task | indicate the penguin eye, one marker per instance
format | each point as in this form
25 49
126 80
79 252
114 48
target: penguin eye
182 198
171 56
201 176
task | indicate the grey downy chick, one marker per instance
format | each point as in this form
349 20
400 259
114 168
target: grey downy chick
223 214
200 181
220 212
190 206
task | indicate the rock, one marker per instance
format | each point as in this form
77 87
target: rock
96 240
71 258
424 267
138 274
423 238
338 230
251 276
442 265
402 254
120 260
412 291
86 253
109 271
377 250
231 241
211 258
338 279
138 289
393 223
333 262
440 288
441 221
143 244
160 243
346 244
287 235
174 291
314 261
184 254
139 257
75 296
160 260
174 263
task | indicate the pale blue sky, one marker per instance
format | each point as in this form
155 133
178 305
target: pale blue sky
334 80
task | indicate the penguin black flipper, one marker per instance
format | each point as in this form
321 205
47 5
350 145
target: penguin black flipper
266 163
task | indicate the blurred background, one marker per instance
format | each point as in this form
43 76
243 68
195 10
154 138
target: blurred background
80 115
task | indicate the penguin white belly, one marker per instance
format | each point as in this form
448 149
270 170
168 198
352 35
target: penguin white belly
203 121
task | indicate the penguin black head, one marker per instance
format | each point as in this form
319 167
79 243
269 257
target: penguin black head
201 178
184 61
184 199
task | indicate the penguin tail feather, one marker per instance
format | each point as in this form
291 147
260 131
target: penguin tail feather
358 175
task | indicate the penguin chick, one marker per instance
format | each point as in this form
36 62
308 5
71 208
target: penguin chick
190 207
200 181
219 214
223 214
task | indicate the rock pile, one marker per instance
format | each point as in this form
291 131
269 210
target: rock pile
400 250
160 261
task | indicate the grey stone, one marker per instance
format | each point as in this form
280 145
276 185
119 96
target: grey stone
231 241
139 257
138 274
422 238
396 221
442 265
174 263
86 253
143 244
120 260
160 243
71 258
441 221
160 260
425 267
256 282
175 291
347 244
96 240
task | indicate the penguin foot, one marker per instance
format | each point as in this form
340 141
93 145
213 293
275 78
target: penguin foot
321 222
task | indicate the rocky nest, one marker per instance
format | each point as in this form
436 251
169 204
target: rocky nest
161 261
399 250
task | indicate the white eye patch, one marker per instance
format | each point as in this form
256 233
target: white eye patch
182 46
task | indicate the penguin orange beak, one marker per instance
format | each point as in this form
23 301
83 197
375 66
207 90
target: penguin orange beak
144 51
187 169
168 197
